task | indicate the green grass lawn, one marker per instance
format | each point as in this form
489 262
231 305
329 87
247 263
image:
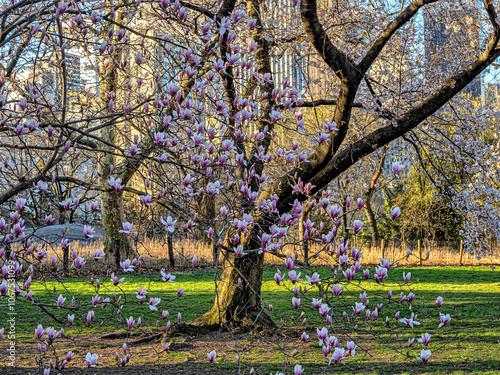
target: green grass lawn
470 344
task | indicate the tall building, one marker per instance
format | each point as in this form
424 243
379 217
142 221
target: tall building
451 33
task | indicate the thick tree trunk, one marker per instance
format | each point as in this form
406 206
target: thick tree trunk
235 305
116 244
206 208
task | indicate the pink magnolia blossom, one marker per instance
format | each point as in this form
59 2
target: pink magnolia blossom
141 293
51 333
153 302
425 339
115 280
396 168
127 266
289 262
90 316
298 370
424 356
351 348
316 303
294 278
278 277
39 331
324 310
146 200
126 227
98 254
322 334
167 277
314 279
359 307
88 231
439 301
410 321
20 204
445 319
116 184
91 359
79 263
337 290
357 225
239 251
211 356
395 212
169 223
407 277
338 356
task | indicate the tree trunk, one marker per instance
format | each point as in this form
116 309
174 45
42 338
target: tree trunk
170 247
239 305
234 304
206 208
66 259
372 221
305 242
116 244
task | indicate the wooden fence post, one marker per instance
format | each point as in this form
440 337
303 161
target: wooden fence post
383 248
419 247
461 252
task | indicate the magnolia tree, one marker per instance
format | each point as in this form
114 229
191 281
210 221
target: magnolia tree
181 106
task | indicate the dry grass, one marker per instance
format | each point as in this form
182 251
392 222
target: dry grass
154 253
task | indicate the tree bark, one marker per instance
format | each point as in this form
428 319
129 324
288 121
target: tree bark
372 220
206 208
305 243
116 244
235 305
65 259
170 247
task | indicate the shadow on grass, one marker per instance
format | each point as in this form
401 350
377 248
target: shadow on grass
192 368
468 308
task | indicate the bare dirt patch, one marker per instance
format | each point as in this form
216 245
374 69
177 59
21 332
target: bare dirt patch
186 355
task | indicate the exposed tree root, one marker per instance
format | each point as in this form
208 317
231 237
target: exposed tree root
210 322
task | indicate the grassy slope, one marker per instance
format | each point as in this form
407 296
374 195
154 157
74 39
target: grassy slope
471 295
